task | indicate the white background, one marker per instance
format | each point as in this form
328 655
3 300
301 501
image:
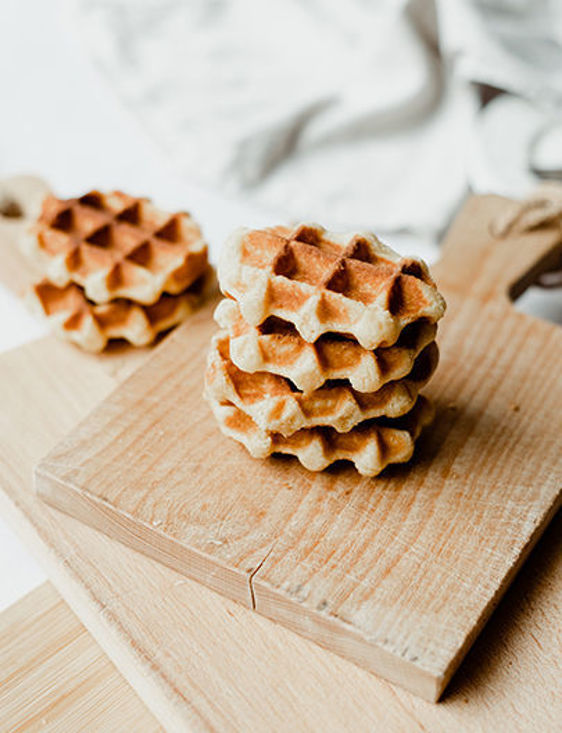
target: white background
59 120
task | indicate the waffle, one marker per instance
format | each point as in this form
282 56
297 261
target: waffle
90 325
276 346
117 246
371 446
273 405
323 282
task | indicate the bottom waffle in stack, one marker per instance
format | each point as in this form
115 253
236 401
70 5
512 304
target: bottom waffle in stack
370 446
92 325
327 398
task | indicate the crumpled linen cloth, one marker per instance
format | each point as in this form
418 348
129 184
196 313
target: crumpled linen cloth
351 114
514 45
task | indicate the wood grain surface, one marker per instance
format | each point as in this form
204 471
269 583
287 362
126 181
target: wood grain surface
54 677
397 573
202 662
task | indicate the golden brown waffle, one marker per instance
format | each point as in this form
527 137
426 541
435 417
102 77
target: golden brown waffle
324 282
89 325
117 246
371 446
274 405
276 346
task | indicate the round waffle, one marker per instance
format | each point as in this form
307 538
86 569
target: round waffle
273 404
91 325
323 282
117 246
276 346
371 446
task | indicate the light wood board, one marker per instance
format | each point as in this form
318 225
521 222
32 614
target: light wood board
202 662
54 677
399 573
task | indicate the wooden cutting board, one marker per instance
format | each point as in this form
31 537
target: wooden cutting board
202 662
397 574
54 677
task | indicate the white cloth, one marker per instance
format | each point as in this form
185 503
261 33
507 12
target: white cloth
514 45
343 113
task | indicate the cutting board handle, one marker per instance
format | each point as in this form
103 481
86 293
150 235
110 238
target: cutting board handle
490 265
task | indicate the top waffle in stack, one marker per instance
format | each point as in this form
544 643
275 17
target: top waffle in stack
117 246
323 282
326 341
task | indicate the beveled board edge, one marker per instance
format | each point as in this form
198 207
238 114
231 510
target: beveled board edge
268 601
241 587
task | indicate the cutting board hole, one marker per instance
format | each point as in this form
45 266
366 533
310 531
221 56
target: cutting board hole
542 297
10 209
541 303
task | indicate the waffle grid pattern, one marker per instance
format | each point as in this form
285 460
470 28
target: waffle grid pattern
278 348
91 325
326 283
115 267
273 405
371 446
117 246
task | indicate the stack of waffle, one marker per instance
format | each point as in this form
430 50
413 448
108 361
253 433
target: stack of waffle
325 342
115 267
